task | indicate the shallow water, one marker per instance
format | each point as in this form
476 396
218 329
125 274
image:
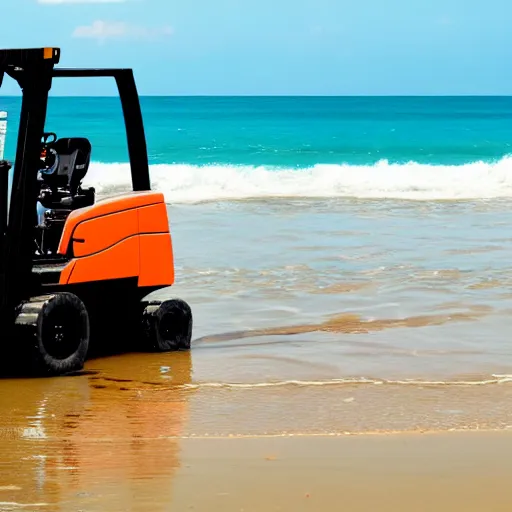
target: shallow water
380 289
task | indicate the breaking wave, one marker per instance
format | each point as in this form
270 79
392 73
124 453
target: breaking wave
183 183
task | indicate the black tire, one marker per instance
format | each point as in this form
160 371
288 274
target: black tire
53 334
167 325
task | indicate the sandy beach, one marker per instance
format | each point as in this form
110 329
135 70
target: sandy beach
329 370
325 374
441 472
123 438
420 472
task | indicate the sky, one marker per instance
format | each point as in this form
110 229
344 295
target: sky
273 47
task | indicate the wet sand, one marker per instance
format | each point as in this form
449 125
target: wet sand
141 432
469 472
441 472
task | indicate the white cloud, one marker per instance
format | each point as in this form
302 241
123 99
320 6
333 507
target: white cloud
81 1
103 30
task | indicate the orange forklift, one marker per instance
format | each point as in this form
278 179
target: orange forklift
77 273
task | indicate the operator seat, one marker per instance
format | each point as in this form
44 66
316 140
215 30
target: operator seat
61 189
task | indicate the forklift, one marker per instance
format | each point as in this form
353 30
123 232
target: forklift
78 272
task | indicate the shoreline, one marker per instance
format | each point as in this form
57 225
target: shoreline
284 435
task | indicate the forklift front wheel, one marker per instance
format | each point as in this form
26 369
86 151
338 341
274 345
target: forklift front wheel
167 325
55 333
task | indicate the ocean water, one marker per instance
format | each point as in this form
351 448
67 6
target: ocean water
354 253
237 148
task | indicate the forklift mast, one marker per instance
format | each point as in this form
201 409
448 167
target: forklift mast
34 70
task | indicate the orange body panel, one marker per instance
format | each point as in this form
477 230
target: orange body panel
66 273
106 207
121 237
153 219
154 260
95 235
117 262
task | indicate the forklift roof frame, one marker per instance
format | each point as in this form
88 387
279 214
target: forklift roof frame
34 70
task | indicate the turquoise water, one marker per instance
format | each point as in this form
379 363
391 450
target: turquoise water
209 149
292 132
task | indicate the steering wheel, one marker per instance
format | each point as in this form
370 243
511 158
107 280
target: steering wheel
47 136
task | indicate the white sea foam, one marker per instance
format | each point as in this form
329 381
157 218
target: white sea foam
494 379
413 181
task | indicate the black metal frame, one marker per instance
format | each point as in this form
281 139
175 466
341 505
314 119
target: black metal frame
135 135
34 71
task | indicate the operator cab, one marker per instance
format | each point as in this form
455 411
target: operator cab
64 164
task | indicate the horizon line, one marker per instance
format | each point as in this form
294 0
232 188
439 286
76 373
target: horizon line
473 95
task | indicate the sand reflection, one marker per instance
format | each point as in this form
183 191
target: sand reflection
94 442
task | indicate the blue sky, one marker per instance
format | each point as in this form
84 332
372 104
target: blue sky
338 47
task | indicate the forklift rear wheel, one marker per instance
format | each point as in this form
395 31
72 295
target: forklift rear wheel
167 325
55 333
